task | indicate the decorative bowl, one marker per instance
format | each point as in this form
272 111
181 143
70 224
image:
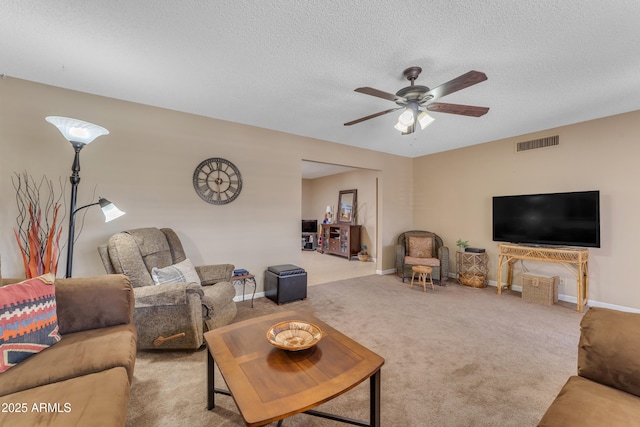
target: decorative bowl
294 335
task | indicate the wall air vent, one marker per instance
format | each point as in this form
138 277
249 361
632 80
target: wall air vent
534 144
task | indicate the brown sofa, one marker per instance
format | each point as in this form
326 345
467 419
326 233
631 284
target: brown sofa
606 391
85 378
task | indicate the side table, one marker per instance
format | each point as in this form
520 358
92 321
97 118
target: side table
243 279
472 268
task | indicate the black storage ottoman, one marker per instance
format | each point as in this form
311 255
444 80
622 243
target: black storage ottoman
285 283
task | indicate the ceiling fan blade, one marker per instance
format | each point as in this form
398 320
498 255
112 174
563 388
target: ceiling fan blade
353 122
380 94
468 79
463 110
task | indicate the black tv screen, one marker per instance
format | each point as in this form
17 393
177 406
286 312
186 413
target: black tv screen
309 225
564 219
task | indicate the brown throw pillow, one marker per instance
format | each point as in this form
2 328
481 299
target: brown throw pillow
420 247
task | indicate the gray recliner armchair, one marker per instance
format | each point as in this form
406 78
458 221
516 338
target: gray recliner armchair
169 315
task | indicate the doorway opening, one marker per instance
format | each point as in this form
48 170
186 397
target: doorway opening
321 185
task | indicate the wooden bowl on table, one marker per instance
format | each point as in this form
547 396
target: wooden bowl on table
294 335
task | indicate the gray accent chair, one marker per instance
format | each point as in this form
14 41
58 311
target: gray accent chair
169 310
438 260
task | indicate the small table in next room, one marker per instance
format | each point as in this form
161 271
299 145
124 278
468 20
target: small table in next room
269 384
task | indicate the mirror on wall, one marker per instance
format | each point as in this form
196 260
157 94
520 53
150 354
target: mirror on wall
347 202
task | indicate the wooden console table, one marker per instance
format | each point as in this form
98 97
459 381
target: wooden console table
574 260
340 239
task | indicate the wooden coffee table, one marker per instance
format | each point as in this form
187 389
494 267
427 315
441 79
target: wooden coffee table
270 384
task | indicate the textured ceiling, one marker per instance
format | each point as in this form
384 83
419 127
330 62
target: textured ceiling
293 65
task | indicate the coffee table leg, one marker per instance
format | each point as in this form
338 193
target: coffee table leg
210 381
211 389
374 407
374 404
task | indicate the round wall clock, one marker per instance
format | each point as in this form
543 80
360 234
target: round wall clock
217 181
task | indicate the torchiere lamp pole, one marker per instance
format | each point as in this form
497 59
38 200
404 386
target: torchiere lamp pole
110 212
79 134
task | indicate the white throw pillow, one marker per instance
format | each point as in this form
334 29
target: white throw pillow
177 273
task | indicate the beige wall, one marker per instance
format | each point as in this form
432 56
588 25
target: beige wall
308 211
145 166
321 192
454 190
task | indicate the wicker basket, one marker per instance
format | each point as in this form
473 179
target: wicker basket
475 280
540 289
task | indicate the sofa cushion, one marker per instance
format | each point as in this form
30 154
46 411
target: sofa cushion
28 319
93 302
609 355
586 403
97 400
77 354
177 273
420 246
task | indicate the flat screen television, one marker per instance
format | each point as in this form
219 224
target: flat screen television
309 225
563 219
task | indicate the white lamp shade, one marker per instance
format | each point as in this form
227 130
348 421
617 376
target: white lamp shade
406 119
402 128
424 119
329 209
77 130
109 210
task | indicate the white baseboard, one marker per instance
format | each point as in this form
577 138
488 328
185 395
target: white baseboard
561 297
238 298
574 300
247 297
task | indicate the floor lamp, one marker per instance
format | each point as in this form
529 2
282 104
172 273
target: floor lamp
79 134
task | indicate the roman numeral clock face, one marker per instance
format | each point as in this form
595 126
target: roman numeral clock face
217 181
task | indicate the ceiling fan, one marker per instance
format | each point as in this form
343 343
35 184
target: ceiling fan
417 100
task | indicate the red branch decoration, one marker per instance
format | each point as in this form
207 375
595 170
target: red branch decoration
37 234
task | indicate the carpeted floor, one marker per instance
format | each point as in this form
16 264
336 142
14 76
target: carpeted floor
455 356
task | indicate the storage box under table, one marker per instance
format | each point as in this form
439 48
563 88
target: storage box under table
285 283
540 289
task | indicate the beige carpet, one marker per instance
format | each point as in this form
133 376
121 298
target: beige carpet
455 356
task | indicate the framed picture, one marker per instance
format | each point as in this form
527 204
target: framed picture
347 202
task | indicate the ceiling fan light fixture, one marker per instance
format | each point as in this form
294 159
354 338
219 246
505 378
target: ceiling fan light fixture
410 129
402 128
415 100
424 119
407 118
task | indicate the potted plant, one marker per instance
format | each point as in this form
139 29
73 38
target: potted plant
462 245
363 255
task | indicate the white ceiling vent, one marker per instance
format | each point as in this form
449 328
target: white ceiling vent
534 144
